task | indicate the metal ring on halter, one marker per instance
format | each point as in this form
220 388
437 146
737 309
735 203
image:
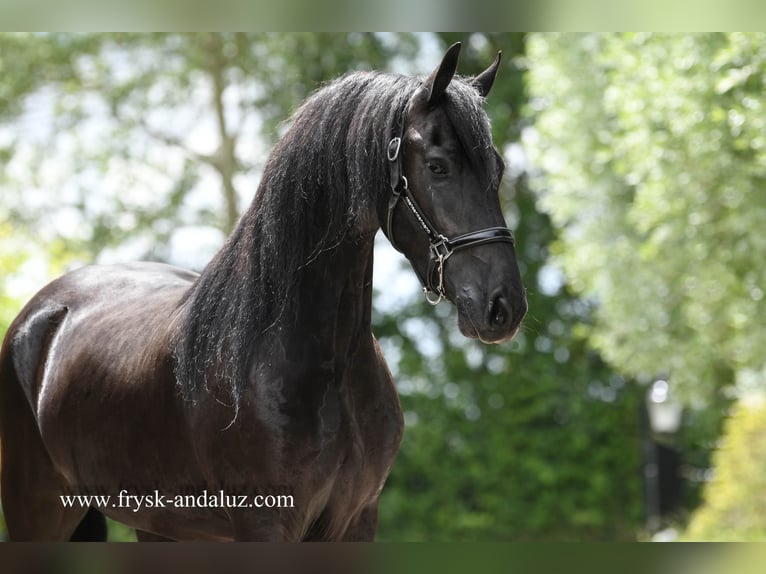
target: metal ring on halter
393 148
428 295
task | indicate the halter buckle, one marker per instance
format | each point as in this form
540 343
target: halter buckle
441 249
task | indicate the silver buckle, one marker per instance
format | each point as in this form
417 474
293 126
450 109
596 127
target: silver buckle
440 249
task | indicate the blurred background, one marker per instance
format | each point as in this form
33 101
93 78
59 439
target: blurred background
629 407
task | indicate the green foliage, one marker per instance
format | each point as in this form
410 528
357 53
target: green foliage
734 506
12 257
128 133
511 446
30 61
653 156
294 65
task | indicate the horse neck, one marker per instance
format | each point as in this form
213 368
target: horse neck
334 301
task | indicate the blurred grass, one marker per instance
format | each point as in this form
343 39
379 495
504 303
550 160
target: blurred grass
118 532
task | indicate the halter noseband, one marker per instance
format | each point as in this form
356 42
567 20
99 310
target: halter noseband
440 247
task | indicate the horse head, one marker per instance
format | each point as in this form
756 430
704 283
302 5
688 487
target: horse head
444 211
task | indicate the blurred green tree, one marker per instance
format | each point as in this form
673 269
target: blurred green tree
652 149
176 123
12 256
734 507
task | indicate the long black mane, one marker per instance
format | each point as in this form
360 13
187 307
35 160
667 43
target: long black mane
324 179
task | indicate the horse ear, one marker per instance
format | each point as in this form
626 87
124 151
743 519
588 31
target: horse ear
483 82
441 77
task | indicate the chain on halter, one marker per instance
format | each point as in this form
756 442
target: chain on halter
441 248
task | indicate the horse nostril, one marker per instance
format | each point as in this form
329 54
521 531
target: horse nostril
498 314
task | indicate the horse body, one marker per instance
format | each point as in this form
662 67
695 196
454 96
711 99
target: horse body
318 431
261 376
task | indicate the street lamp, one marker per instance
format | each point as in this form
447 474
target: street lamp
664 417
664 410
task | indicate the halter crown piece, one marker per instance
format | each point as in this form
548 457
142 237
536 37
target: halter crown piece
441 248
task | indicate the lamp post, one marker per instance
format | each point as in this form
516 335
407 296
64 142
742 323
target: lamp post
664 409
664 418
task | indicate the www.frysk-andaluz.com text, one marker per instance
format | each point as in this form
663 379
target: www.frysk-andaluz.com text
155 499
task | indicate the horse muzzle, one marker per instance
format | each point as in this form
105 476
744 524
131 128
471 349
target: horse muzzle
493 318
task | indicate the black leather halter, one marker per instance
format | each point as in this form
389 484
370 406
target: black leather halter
441 247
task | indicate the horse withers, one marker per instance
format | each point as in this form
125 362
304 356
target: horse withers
251 402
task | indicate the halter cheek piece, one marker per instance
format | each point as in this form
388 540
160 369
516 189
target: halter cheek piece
441 248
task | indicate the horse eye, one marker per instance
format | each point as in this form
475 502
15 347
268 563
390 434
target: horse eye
437 168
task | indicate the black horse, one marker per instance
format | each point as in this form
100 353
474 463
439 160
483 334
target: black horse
251 402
